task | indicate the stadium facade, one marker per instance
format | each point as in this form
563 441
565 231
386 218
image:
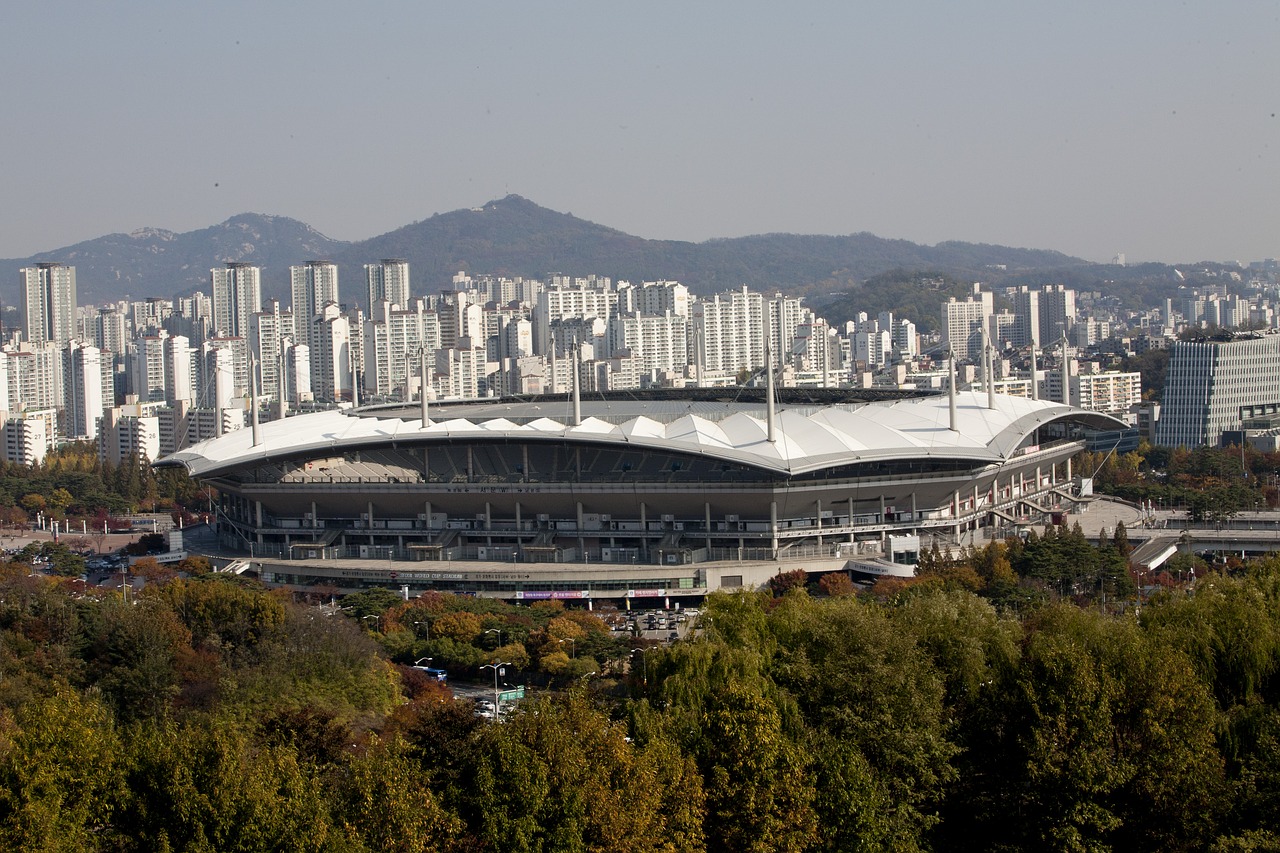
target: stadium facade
631 495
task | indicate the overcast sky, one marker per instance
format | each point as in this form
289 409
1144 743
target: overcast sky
1093 128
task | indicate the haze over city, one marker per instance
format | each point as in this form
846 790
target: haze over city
1086 128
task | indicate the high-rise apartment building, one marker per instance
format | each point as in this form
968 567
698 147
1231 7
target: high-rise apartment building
1212 386
331 373
389 280
657 342
569 299
313 285
237 296
730 331
49 300
82 386
1057 312
1026 318
963 323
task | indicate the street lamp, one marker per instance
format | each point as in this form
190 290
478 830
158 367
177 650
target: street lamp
497 668
644 662
426 622
497 631
419 661
377 624
573 646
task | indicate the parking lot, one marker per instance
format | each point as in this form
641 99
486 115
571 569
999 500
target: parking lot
654 626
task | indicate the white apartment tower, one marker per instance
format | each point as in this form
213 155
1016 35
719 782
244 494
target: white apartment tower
963 323
49 300
657 342
237 296
392 346
730 332
578 299
1057 312
389 280
313 285
83 388
331 354
1026 317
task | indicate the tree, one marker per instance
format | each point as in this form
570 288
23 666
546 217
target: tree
836 585
759 796
384 801
1101 737
205 785
61 779
783 582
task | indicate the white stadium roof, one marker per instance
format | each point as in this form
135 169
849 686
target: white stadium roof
808 438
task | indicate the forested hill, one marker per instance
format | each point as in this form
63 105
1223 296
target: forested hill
511 236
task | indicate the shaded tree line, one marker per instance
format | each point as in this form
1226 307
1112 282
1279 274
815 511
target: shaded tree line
211 714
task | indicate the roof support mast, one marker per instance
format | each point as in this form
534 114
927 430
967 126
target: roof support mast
577 394
988 368
422 352
253 400
1066 372
1035 384
770 404
951 387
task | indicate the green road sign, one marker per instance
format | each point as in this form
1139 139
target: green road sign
511 695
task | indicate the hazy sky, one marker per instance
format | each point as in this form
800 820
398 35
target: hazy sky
1093 128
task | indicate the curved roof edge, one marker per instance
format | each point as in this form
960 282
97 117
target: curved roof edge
807 439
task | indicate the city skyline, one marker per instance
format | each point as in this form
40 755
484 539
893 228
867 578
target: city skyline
1090 130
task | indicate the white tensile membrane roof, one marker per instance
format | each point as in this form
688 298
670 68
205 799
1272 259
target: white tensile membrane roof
806 438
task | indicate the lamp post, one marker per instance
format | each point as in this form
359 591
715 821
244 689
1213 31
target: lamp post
573 646
419 661
426 622
497 668
644 662
497 631
377 622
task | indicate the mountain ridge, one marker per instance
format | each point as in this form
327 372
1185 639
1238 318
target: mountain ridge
510 236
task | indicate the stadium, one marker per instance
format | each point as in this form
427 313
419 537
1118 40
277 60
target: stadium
633 495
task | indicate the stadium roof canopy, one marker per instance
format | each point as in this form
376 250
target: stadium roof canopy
807 437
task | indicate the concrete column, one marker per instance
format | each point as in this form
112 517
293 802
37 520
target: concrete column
773 527
488 516
644 532
315 516
258 515
707 511
819 519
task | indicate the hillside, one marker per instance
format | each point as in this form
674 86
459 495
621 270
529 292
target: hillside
510 236
155 262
